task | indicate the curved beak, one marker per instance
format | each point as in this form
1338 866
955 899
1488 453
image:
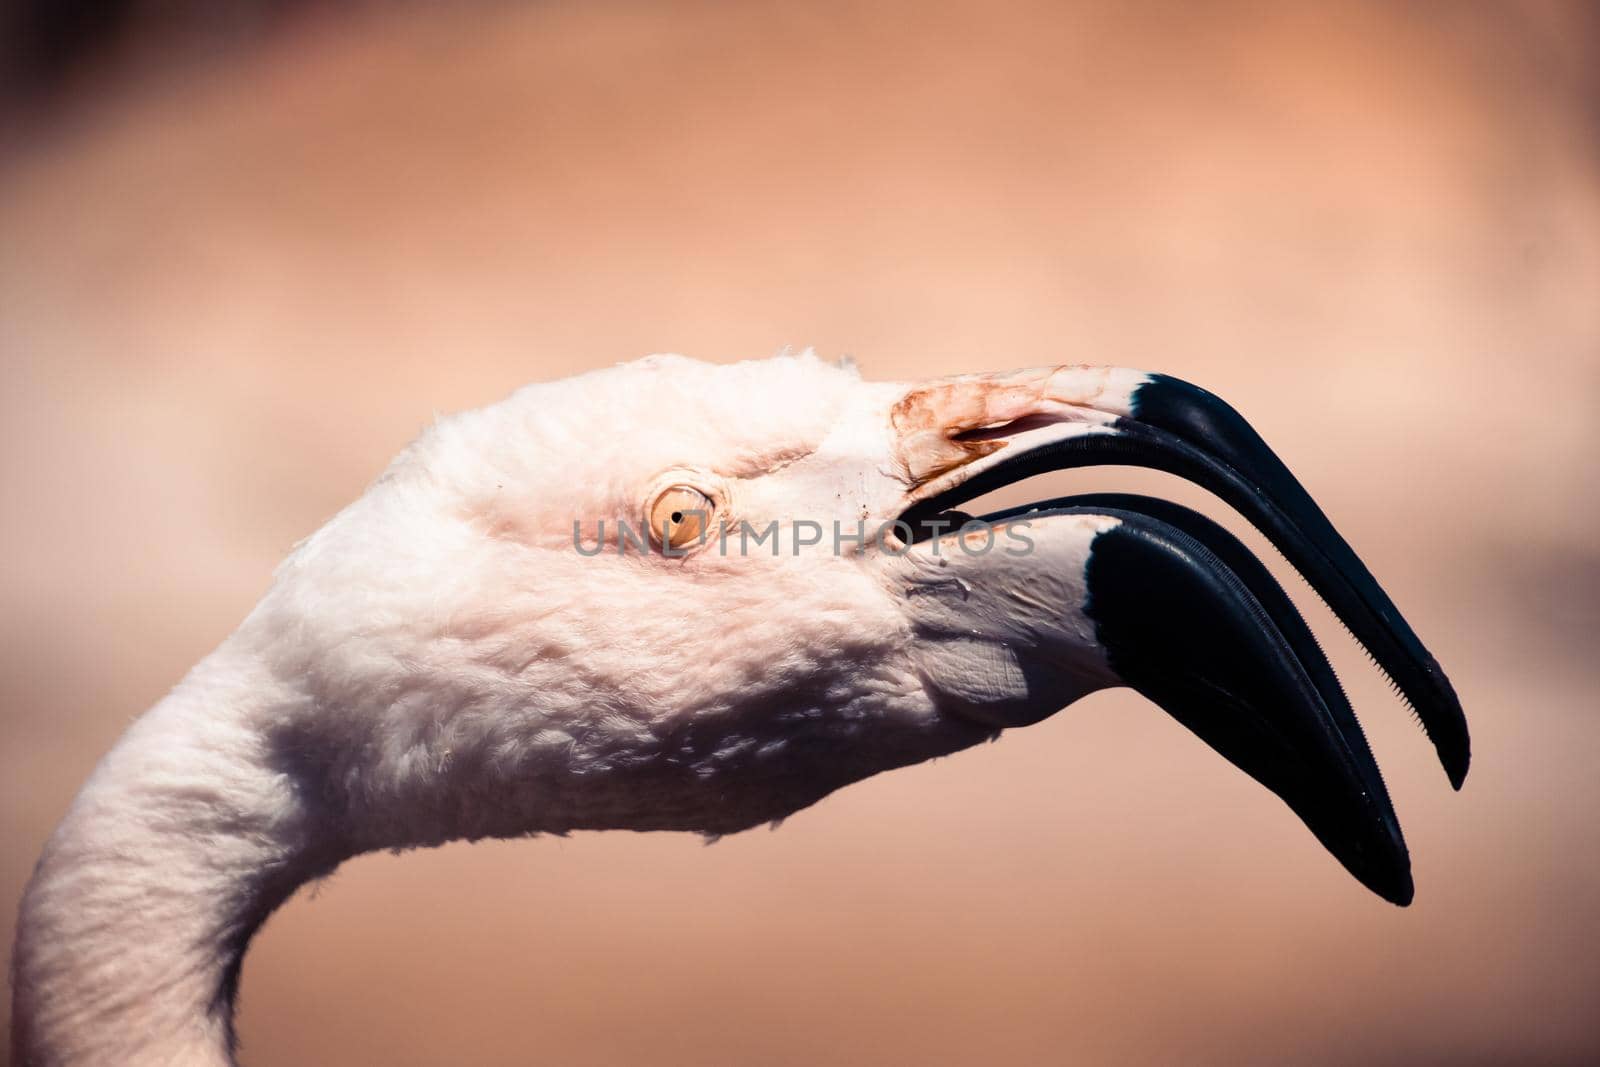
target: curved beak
1156 597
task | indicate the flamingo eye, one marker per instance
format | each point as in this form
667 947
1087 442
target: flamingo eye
680 515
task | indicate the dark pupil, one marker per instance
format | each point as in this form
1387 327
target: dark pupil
677 516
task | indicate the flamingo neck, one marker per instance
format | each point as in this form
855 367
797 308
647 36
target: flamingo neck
188 834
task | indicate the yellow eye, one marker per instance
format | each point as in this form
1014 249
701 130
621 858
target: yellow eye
680 515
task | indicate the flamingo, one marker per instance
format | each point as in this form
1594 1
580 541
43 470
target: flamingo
673 595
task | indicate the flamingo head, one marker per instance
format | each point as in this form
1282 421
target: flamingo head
677 595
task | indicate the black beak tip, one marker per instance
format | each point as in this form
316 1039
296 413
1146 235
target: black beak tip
1387 873
1230 458
1454 747
1227 656
1399 891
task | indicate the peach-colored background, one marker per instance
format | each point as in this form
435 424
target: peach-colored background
231 289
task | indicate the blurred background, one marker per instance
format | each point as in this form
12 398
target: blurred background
248 249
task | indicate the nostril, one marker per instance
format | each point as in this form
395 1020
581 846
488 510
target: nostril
1035 421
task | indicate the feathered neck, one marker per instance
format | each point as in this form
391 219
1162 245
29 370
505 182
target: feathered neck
188 834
